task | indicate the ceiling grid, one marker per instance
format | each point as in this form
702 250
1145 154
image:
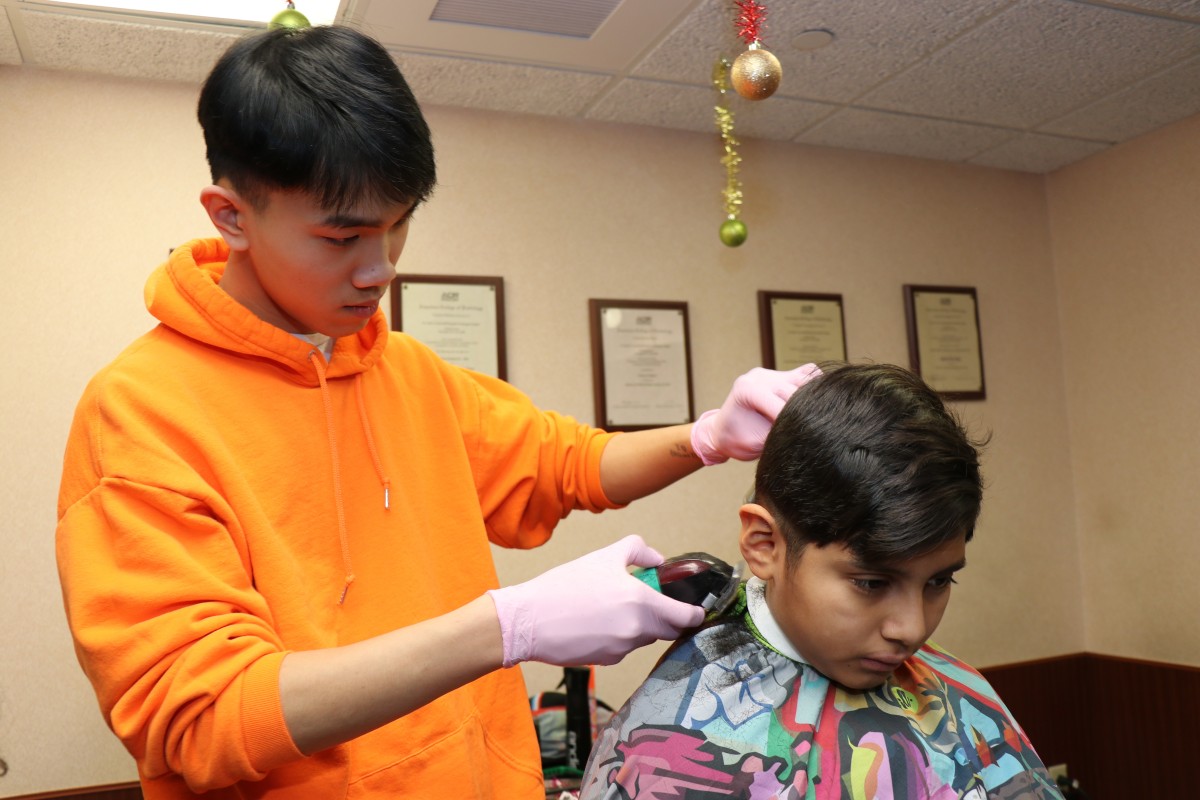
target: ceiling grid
1027 85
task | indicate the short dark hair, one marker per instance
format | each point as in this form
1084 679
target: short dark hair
868 456
323 110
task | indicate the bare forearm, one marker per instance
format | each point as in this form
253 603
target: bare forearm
331 696
640 463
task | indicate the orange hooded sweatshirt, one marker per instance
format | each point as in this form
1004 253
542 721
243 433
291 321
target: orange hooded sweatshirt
229 496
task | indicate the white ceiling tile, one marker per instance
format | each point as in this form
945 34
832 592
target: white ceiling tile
885 132
693 108
778 117
130 50
499 87
1161 99
580 18
1183 9
1034 152
874 38
668 105
405 25
1037 61
948 79
10 53
874 41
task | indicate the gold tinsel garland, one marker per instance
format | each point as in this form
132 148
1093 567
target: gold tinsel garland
733 230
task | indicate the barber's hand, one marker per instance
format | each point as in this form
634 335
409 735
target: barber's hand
590 610
739 427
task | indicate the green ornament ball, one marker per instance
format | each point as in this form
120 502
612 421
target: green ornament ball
733 232
289 18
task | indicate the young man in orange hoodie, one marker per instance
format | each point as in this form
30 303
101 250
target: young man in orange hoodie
276 514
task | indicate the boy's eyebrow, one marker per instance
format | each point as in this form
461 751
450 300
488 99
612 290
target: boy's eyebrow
892 569
345 219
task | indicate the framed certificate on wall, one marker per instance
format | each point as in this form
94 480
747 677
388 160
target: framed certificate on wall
460 317
944 343
800 328
641 364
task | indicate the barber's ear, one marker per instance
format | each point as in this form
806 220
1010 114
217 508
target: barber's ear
762 543
225 208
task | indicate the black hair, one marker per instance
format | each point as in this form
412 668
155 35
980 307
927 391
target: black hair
868 456
323 110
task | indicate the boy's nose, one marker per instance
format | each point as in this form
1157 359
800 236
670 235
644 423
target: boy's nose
378 271
905 623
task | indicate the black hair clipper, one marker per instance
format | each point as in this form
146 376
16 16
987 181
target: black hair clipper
697 578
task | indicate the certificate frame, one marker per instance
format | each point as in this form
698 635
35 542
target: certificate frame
453 314
945 345
641 364
789 342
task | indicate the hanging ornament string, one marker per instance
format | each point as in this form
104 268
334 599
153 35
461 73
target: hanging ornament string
733 230
756 73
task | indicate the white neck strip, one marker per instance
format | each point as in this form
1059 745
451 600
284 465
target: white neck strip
764 621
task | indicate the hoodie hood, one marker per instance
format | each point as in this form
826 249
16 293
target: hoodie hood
184 294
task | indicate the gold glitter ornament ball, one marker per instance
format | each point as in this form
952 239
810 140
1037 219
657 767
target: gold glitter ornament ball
756 74
733 232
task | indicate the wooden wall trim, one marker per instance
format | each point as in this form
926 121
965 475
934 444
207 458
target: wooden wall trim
1034 662
112 791
1124 727
1183 668
1084 654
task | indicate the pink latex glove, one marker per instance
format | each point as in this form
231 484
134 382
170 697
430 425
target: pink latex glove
590 610
739 427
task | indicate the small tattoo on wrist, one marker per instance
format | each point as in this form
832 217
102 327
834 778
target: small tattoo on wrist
682 451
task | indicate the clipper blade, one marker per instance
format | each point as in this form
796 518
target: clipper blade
697 578
726 599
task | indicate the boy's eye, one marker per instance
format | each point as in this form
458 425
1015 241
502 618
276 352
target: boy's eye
944 582
337 241
869 585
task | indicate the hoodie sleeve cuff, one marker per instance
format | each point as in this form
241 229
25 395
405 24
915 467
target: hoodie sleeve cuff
595 488
268 743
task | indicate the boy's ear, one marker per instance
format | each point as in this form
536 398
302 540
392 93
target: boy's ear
225 208
763 545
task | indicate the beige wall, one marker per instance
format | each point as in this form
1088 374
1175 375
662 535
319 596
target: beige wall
1126 234
100 178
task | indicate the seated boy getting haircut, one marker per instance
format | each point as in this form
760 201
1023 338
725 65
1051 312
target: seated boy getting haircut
820 682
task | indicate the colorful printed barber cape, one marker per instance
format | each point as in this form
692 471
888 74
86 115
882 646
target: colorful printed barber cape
726 716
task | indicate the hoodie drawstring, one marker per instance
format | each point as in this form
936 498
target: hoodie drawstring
366 426
318 362
386 482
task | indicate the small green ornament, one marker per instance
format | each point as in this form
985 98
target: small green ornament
289 18
733 232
